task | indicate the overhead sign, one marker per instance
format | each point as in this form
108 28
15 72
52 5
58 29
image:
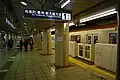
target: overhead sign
47 15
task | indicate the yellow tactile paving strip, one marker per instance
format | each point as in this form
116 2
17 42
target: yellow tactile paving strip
93 67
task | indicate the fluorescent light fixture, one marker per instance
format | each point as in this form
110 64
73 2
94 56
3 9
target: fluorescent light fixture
52 29
99 15
64 4
72 23
61 1
10 24
82 24
4 70
23 3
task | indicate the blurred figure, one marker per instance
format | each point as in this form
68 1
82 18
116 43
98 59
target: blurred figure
10 44
31 43
21 44
4 43
26 44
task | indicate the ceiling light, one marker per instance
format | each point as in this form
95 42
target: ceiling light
23 3
99 15
82 24
61 1
10 24
64 4
52 29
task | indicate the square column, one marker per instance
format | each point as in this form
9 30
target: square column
46 41
61 44
49 41
38 43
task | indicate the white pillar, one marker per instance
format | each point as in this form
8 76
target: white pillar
61 44
40 40
46 41
38 43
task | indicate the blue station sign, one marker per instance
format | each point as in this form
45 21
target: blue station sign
47 15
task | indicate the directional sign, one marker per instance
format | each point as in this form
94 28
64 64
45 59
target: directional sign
47 15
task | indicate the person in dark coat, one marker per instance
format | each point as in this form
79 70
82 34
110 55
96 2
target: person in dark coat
10 44
31 43
21 44
26 44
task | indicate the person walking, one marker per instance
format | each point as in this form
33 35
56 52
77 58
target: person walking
26 44
10 44
21 44
31 43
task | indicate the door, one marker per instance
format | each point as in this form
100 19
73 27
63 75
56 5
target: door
80 50
87 52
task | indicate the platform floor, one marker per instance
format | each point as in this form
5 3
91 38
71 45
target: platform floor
32 65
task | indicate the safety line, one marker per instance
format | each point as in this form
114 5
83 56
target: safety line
86 66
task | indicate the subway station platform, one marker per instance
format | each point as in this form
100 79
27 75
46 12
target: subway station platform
32 65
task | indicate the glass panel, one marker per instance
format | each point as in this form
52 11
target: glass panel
113 38
89 39
76 38
87 54
80 52
80 47
95 39
87 47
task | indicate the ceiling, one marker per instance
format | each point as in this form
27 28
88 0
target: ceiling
76 6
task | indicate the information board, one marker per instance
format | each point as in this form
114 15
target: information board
47 15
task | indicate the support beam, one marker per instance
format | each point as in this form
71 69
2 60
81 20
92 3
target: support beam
61 44
46 41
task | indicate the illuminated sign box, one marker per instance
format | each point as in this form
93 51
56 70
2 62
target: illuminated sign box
47 15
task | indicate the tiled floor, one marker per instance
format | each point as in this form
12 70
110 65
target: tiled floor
33 66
